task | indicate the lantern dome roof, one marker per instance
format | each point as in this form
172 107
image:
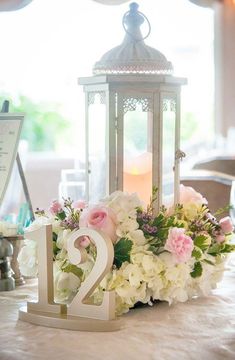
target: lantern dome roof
133 55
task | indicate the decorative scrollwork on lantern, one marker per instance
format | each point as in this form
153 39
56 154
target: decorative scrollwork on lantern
96 96
169 105
130 104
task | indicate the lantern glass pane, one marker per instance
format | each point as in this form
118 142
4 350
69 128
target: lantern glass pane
168 149
137 158
96 146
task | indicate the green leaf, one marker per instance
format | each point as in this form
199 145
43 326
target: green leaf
55 236
201 242
197 270
61 215
197 253
171 222
55 248
151 248
158 220
227 248
162 235
220 249
215 249
224 209
208 262
122 250
74 270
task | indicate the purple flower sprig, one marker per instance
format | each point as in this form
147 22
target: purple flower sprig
144 217
68 213
70 223
146 223
149 229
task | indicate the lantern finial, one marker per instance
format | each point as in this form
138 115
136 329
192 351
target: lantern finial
132 20
134 6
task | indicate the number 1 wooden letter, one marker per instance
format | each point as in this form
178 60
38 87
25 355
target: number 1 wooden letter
45 303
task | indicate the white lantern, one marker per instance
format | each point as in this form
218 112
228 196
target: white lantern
133 119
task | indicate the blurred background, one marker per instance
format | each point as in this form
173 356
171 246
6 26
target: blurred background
48 44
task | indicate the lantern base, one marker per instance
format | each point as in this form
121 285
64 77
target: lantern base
63 321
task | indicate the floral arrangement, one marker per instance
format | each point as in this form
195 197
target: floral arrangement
172 256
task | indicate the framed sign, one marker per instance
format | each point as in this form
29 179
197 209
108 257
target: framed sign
10 129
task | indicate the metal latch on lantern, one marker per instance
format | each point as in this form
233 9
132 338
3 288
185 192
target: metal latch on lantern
179 155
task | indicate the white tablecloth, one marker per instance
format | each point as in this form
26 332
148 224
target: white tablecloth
203 328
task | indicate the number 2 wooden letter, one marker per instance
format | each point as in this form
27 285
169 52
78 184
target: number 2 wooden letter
103 264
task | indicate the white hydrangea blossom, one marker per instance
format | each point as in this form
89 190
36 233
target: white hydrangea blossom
62 238
211 275
27 259
65 284
124 205
137 237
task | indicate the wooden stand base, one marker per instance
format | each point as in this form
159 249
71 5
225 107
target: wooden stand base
64 321
17 242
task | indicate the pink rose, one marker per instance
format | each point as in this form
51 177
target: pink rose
220 238
226 225
55 207
80 204
84 241
101 218
179 244
189 195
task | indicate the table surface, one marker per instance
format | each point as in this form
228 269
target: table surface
203 328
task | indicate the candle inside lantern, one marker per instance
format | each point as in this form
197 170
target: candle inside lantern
137 160
138 175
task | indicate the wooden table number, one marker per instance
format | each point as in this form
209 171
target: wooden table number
79 314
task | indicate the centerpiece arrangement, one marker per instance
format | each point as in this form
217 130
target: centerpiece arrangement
172 256
112 254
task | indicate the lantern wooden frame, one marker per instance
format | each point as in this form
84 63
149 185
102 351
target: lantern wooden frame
113 89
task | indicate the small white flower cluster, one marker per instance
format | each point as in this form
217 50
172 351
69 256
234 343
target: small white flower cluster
8 229
124 206
65 284
27 257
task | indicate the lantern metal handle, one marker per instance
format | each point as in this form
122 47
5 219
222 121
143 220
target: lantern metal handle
134 19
